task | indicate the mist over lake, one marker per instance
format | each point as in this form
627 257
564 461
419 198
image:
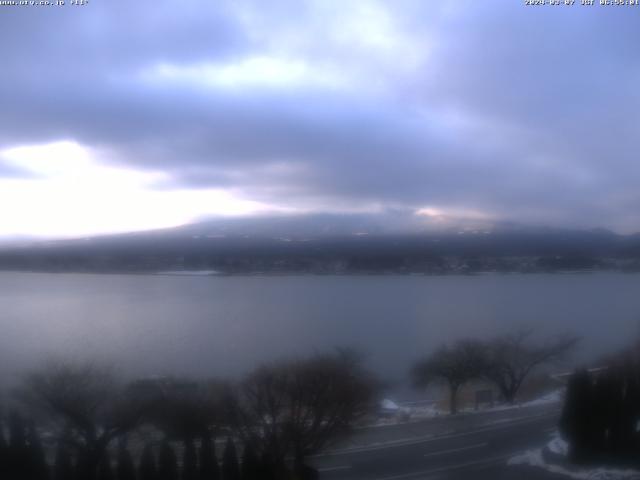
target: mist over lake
224 326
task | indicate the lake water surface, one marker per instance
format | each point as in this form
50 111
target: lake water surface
210 326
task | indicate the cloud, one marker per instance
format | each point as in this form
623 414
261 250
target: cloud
248 72
510 112
73 193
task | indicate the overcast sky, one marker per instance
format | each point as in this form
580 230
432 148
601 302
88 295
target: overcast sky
122 115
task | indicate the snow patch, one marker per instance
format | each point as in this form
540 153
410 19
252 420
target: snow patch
389 404
416 414
392 413
558 446
556 396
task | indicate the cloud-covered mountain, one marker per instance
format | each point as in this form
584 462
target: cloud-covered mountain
317 106
333 244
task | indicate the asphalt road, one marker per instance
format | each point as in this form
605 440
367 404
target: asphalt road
472 450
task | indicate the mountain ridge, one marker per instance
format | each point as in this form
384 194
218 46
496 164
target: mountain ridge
332 244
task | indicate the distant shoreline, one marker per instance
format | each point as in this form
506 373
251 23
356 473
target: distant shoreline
219 273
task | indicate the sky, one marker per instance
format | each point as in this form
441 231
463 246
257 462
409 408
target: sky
119 116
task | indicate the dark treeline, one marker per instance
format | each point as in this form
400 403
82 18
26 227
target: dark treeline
80 422
23 458
532 250
264 427
601 414
278 415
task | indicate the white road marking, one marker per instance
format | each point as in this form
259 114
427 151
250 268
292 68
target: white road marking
486 461
333 469
434 438
453 450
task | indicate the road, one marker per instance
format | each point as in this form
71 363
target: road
468 447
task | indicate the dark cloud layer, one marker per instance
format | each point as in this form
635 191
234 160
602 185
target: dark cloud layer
520 113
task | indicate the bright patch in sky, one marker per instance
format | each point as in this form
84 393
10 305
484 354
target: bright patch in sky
252 71
452 212
452 216
72 193
370 27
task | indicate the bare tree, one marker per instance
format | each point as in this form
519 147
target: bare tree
86 404
299 408
511 358
3 451
454 365
184 409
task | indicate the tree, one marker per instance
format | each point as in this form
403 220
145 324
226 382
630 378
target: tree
454 365
63 466
17 452
601 412
575 421
209 469
37 463
105 472
167 463
251 467
511 358
82 468
189 462
125 470
230 466
147 469
299 408
17 436
3 451
88 403
183 409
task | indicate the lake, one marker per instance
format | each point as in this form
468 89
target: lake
223 326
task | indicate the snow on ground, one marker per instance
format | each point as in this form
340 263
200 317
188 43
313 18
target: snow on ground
559 447
555 396
388 404
408 414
